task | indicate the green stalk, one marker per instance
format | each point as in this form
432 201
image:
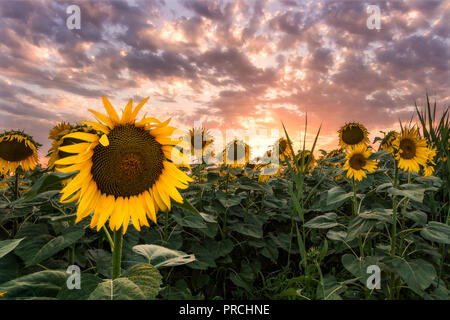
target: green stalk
108 236
355 200
117 253
394 214
16 185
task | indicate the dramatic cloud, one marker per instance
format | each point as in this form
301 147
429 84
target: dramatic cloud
230 64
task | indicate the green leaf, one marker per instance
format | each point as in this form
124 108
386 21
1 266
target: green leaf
6 246
326 221
436 232
414 192
160 257
118 289
88 283
189 220
36 236
103 261
336 235
42 284
337 195
70 236
358 266
50 181
147 278
186 206
418 274
417 216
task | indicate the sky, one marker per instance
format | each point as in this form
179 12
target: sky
229 65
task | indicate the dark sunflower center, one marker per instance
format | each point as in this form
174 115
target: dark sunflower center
352 135
408 148
305 162
236 152
357 161
282 146
130 165
14 150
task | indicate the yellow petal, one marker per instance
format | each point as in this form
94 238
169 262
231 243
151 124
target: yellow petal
126 115
101 117
82 136
137 109
104 141
96 126
110 110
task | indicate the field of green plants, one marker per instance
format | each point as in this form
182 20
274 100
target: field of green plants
308 232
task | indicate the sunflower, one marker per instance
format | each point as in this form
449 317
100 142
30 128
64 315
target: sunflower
281 148
357 161
198 141
428 168
127 173
332 158
236 154
352 135
308 160
389 138
17 149
411 150
57 134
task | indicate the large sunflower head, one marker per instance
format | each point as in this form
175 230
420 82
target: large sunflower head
199 141
357 162
352 135
57 135
17 149
128 172
236 154
411 150
387 142
308 160
281 147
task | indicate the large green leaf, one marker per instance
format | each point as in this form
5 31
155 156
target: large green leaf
418 274
337 195
88 282
412 191
358 266
147 278
50 181
436 232
42 284
36 236
118 289
326 221
159 256
6 246
70 236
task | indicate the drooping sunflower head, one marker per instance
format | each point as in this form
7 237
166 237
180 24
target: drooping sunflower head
236 154
199 141
57 134
353 134
128 172
305 160
357 162
17 149
334 157
387 142
411 150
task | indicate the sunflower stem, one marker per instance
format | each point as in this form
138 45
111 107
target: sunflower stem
117 253
355 200
108 236
16 185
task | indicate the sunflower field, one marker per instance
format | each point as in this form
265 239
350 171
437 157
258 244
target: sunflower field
120 213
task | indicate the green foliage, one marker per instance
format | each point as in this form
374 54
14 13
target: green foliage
298 235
